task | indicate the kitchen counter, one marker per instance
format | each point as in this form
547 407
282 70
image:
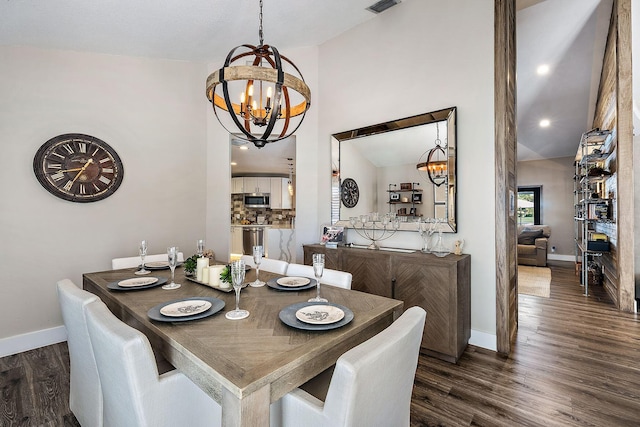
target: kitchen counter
278 226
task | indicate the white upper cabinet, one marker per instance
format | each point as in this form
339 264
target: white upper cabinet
257 184
237 185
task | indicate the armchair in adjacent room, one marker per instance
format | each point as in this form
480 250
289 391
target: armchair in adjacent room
532 244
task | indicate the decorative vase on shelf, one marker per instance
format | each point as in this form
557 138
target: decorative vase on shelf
440 250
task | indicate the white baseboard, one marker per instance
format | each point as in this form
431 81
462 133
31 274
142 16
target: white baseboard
484 340
37 339
558 257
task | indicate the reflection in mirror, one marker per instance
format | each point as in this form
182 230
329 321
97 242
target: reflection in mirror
383 160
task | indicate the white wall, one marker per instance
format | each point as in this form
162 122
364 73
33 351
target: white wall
416 57
151 112
364 173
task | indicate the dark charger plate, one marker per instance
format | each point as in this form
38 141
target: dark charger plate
115 287
288 317
216 306
273 283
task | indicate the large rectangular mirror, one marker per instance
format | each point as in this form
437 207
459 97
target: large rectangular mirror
382 159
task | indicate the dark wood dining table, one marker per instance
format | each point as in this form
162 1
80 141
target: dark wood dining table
244 364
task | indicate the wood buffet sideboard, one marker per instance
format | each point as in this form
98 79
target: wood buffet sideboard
442 286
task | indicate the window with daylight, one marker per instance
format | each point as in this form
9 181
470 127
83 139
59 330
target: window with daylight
528 205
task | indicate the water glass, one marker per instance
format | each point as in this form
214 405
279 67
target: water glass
237 277
172 256
257 259
318 270
142 250
200 248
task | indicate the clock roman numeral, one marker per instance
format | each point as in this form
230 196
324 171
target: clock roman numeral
68 185
104 179
83 147
57 176
96 187
94 153
58 155
107 170
82 189
68 148
106 159
54 166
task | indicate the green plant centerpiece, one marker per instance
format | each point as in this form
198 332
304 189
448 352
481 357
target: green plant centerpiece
190 264
225 275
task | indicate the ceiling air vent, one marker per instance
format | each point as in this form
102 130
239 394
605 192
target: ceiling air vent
382 5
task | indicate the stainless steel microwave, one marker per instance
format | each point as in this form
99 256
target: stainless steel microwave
256 200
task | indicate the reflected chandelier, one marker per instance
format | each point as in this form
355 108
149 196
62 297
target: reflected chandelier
272 104
436 162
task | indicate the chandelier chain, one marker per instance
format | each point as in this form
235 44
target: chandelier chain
260 33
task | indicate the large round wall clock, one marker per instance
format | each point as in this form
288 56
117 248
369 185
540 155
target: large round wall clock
349 192
79 168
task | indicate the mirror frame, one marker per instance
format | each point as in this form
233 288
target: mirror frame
448 114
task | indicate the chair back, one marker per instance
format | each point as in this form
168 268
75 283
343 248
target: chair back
372 382
126 366
134 261
341 279
134 394
85 394
267 264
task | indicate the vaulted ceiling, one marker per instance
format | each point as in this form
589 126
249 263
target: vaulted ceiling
566 35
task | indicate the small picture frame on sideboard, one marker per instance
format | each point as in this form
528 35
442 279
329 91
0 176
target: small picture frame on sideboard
332 235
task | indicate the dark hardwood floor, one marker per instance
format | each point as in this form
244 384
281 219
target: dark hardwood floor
575 362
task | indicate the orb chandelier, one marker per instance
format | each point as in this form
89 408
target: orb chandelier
272 102
436 162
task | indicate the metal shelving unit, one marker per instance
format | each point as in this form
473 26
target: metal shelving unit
590 207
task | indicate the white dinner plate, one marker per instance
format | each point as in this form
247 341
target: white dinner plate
185 308
320 314
137 281
293 282
157 264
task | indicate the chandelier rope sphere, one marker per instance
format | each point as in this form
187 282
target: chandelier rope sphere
273 102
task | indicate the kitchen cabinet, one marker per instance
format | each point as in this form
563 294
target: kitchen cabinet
276 193
257 184
287 199
442 286
280 197
236 240
237 185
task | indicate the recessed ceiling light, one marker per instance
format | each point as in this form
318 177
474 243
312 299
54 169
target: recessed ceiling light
543 69
544 123
244 147
234 164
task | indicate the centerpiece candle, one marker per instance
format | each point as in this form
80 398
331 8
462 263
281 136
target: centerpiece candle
201 264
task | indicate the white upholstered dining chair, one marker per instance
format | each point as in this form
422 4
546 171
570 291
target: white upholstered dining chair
85 394
134 395
134 261
371 384
267 264
341 279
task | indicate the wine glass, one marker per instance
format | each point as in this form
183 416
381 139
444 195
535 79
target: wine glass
172 255
237 277
142 249
257 258
318 269
200 248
